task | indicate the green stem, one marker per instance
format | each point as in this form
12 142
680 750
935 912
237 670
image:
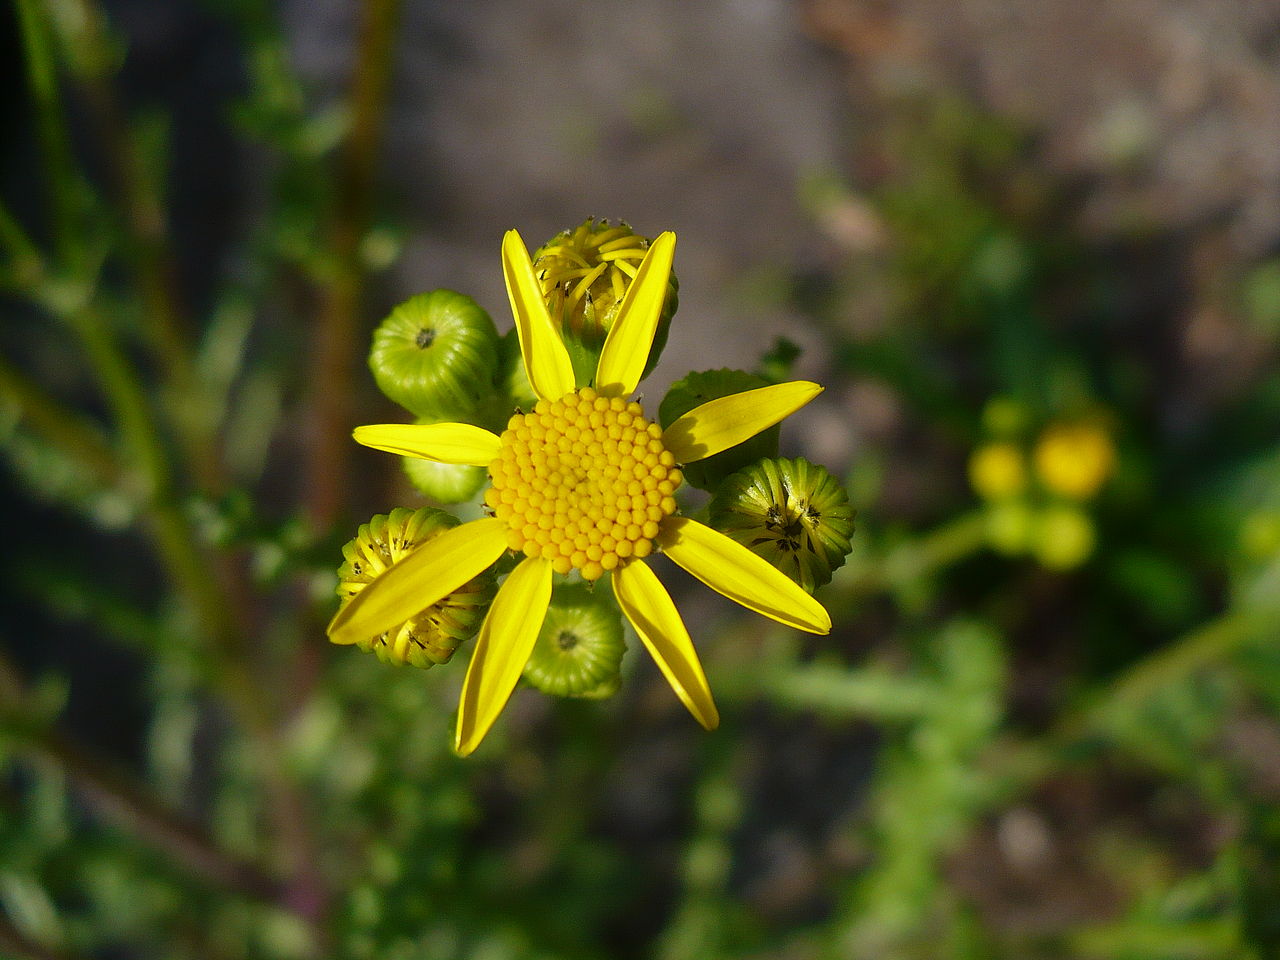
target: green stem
912 560
25 265
1208 644
59 427
210 595
336 351
213 603
14 944
138 199
59 176
1018 765
120 800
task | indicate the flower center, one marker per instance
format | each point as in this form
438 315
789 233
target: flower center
583 481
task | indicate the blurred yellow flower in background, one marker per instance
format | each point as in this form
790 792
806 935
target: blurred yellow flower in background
1074 460
998 471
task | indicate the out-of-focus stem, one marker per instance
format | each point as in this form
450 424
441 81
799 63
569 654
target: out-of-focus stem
118 799
1018 765
59 427
336 351
911 560
14 944
1207 644
197 579
221 610
138 201
23 256
60 178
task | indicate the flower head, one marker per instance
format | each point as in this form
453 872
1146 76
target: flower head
1074 460
583 483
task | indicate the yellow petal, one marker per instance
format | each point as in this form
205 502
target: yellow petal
502 649
626 348
434 570
723 423
728 567
657 621
441 442
545 359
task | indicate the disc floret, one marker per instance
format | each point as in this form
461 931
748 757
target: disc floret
583 481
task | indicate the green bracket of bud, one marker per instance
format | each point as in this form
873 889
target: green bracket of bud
579 649
436 355
792 513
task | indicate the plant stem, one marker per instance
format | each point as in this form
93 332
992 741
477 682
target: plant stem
60 176
14 944
336 350
1209 643
138 198
120 800
215 605
59 427
25 263
1021 764
908 561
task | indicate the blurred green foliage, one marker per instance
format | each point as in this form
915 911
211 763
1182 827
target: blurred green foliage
988 757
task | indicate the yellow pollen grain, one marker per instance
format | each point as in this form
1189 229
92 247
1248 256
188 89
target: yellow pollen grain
583 481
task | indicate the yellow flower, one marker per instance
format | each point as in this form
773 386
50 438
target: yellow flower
1074 460
582 482
996 471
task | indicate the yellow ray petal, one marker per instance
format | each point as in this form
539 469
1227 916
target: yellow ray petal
723 423
545 358
441 442
502 649
728 567
626 348
657 621
434 570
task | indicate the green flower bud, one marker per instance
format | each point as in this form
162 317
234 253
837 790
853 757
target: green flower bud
579 649
695 390
1009 524
436 355
432 636
512 376
585 273
1063 537
790 512
444 482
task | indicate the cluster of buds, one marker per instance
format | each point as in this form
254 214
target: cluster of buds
1038 485
440 357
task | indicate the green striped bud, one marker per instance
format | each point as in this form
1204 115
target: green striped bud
1063 536
513 379
431 636
790 512
579 649
695 390
444 482
436 355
